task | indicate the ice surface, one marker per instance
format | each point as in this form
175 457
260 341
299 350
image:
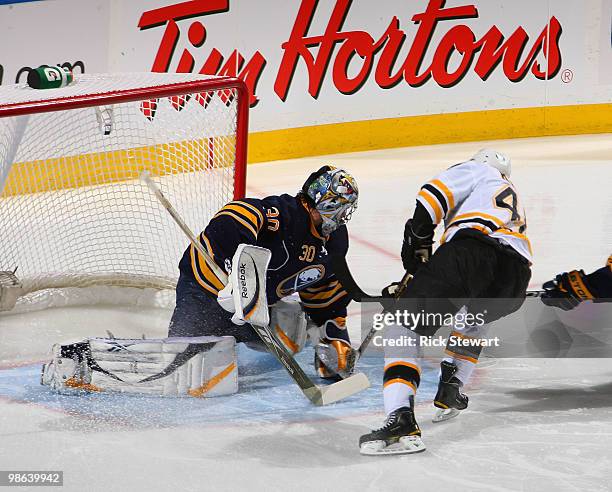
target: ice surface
532 424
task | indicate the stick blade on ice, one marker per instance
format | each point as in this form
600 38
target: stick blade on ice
343 389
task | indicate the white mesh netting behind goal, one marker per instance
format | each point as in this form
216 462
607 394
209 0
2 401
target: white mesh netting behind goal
73 212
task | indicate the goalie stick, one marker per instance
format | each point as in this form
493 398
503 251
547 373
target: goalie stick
319 395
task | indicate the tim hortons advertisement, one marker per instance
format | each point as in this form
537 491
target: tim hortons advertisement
362 60
309 62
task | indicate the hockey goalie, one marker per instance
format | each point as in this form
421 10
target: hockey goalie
299 233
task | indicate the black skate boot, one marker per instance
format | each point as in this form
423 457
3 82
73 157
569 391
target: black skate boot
399 435
449 398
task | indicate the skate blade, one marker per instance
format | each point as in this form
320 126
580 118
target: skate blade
406 445
444 414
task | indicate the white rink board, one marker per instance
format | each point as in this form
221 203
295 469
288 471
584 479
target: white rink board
259 31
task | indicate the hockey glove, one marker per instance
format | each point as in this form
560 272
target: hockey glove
416 249
391 291
567 290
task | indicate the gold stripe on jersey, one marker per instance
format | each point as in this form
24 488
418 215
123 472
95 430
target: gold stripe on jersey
447 193
253 208
508 232
246 213
238 219
497 221
314 232
207 245
320 305
483 229
326 293
433 203
201 271
319 289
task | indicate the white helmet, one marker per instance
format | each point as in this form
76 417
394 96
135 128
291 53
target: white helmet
494 159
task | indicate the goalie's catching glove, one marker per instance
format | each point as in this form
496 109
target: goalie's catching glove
567 290
334 356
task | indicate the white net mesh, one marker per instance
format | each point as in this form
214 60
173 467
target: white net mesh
73 212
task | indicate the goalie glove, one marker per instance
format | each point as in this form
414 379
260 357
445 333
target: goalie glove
567 290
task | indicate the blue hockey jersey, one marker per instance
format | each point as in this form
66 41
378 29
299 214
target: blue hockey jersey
300 255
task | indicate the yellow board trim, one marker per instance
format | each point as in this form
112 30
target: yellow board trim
429 130
111 167
122 165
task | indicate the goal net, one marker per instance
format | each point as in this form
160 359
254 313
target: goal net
73 212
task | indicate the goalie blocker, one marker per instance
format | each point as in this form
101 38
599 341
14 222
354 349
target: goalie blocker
196 367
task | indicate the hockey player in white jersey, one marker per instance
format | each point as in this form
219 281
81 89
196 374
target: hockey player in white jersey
484 254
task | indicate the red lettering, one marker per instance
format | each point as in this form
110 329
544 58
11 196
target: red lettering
458 48
297 46
428 21
460 39
354 55
213 65
392 41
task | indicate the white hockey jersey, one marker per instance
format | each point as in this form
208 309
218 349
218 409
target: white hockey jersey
477 196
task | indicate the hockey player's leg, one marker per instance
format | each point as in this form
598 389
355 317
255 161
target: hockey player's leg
197 313
193 366
504 295
455 371
449 399
400 433
288 323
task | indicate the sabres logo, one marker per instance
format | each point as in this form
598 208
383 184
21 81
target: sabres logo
296 282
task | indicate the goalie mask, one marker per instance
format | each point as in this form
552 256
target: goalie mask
333 193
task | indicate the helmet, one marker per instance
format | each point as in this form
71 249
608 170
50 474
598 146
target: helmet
494 159
333 192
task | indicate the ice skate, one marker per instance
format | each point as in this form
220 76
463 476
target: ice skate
399 435
449 399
